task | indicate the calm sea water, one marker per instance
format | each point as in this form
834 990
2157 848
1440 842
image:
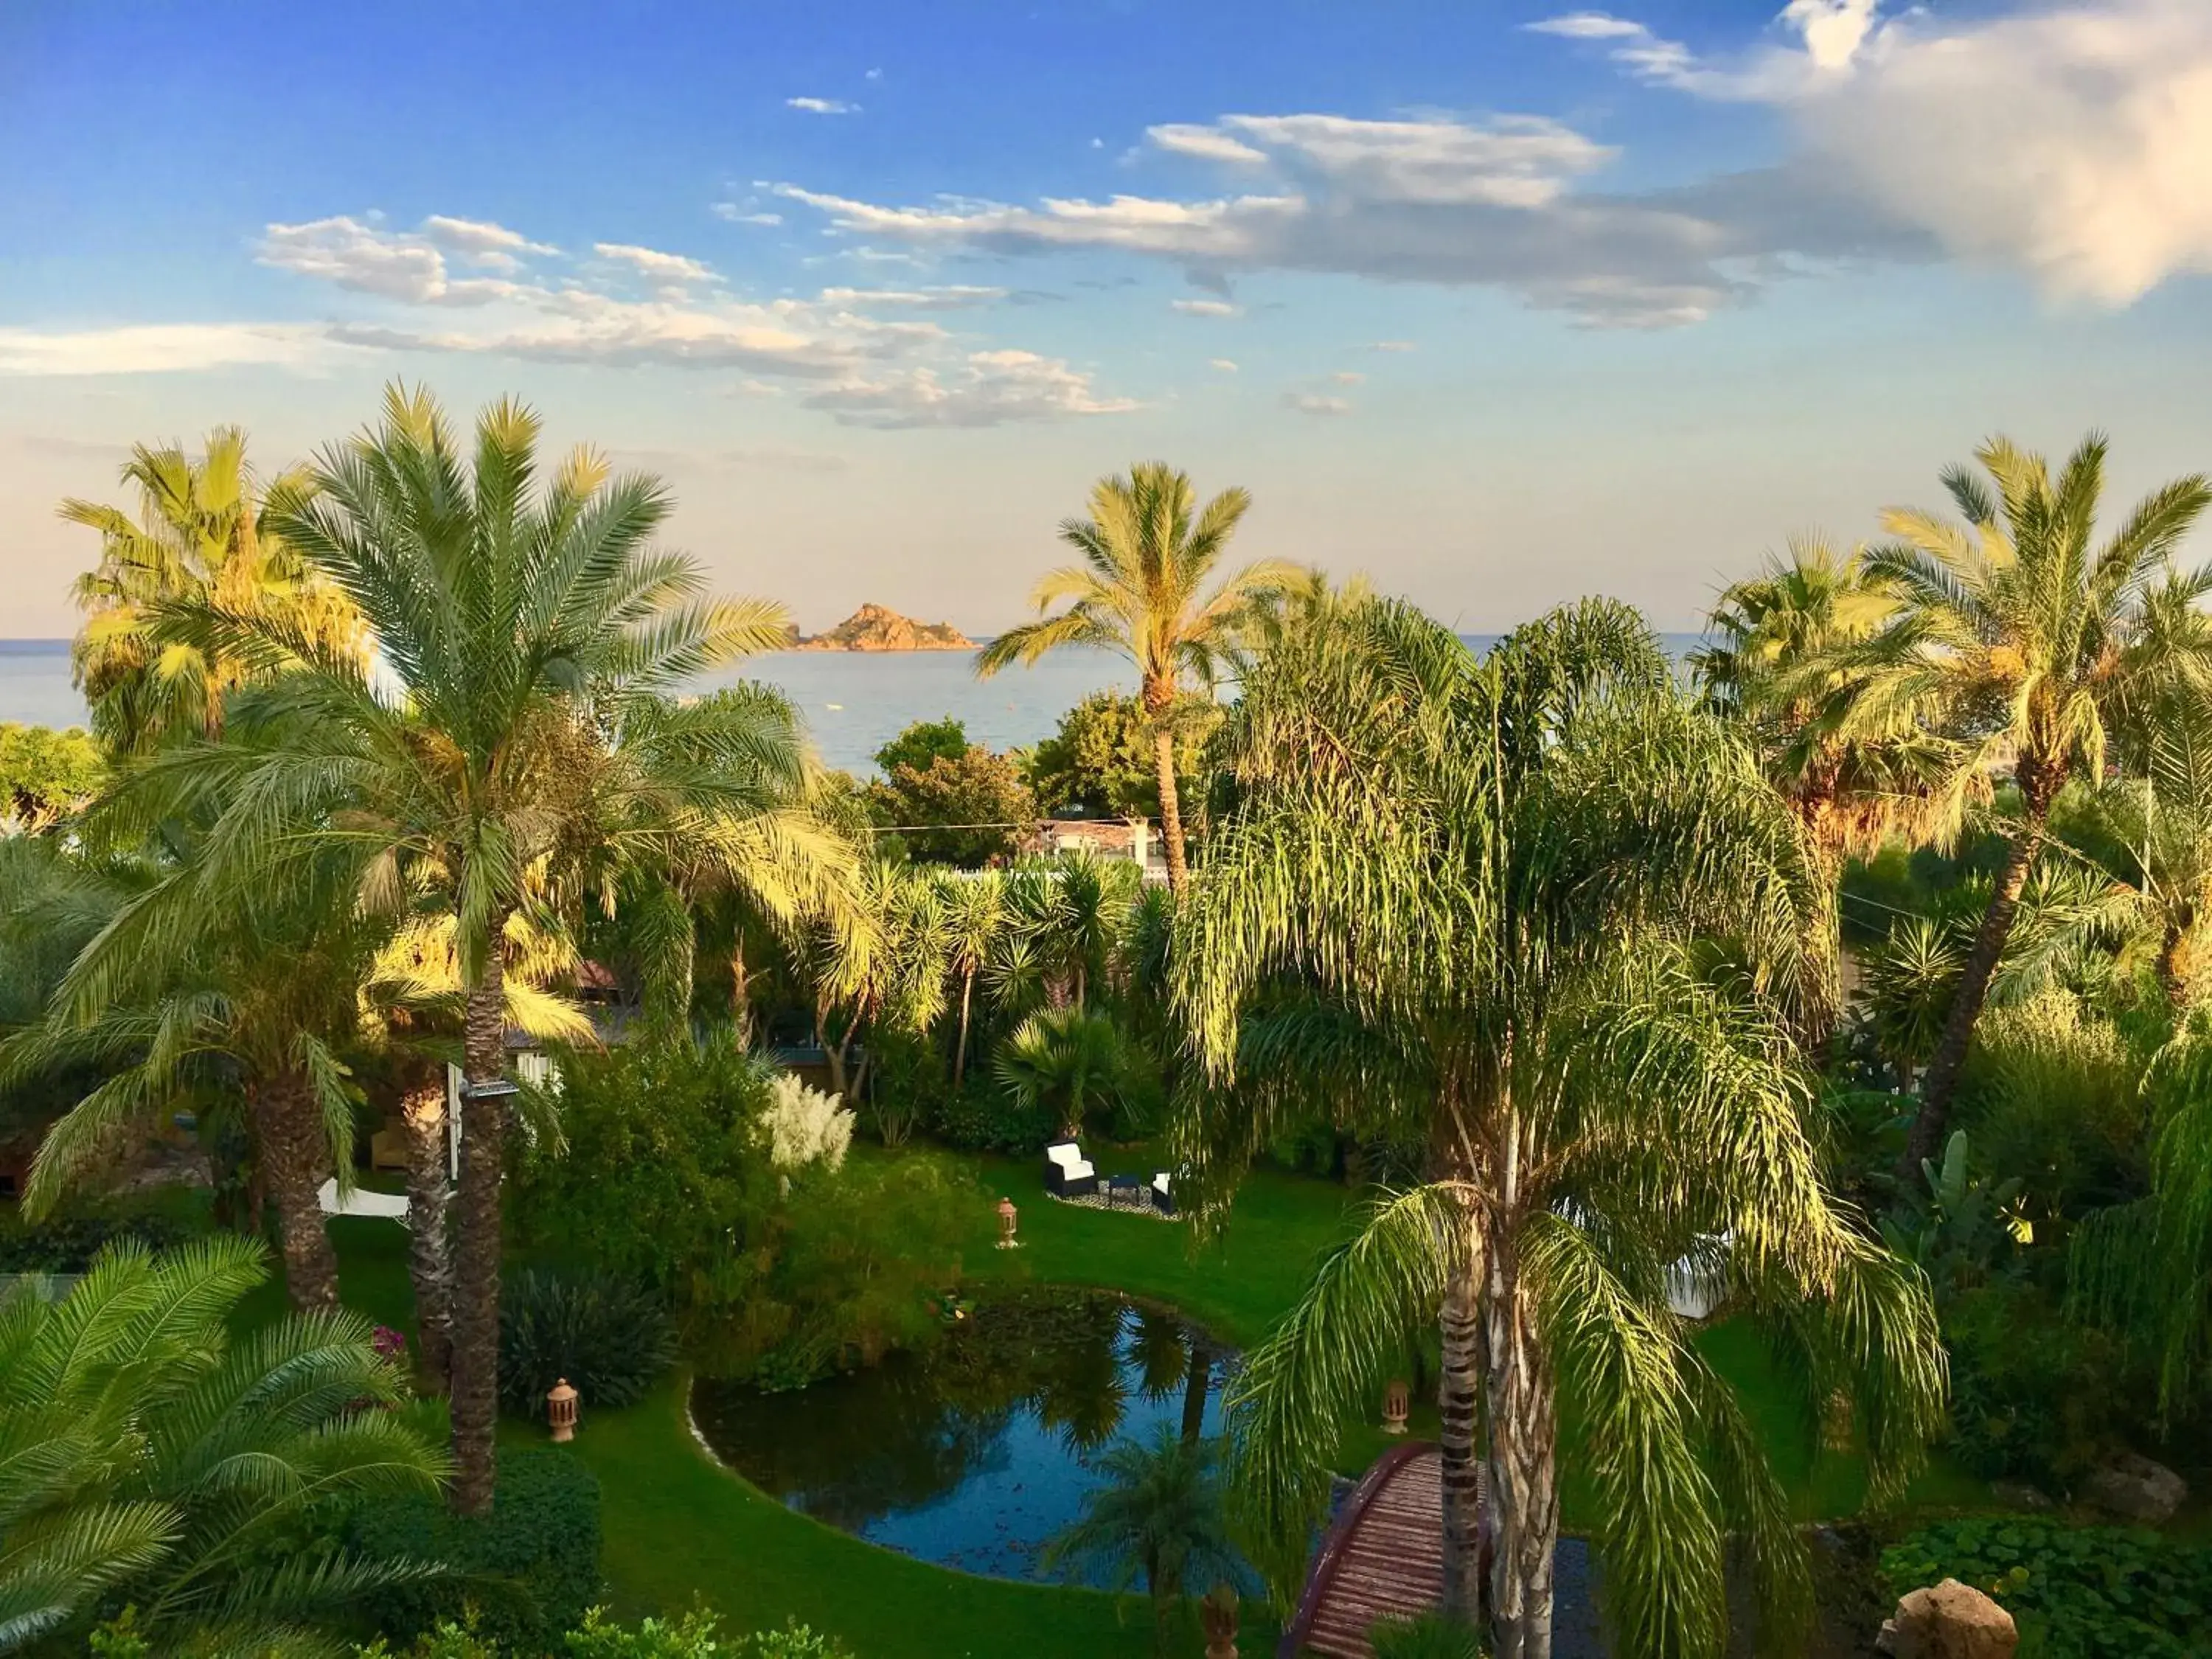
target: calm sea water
854 702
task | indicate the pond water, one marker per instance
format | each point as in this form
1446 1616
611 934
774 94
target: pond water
972 1454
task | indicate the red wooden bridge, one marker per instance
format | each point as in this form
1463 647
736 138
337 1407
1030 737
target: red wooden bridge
1383 1559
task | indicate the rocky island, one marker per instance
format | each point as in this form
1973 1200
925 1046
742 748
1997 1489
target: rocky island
876 627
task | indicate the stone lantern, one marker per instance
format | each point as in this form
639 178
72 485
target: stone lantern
1396 1400
561 1411
1006 1225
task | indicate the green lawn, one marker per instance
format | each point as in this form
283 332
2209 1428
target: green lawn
680 1528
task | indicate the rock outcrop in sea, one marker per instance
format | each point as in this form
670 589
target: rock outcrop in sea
877 627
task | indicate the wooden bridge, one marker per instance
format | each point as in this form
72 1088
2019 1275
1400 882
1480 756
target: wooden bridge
1383 1559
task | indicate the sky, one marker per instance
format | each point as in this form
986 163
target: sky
1500 301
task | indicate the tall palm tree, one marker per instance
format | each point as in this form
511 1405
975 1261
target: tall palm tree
519 739
147 1454
1157 1515
2033 647
975 916
2162 817
1770 637
1141 589
202 533
1542 915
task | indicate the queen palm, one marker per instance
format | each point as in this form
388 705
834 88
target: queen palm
2162 817
520 740
1148 552
1542 916
202 533
2031 646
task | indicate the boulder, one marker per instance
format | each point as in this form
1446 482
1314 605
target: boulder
2135 1489
1950 1621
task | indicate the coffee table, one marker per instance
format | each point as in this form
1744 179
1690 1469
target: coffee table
1125 1191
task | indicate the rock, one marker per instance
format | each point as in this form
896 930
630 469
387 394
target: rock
1951 1621
2017 1495
2135 1489
877 627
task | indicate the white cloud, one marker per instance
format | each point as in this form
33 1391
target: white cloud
822 106
481 242
737 214
1589 26
1226 365
1206 308
1347 377
1313 403
1207 144
652 263
990 389
874 74
1832 30
952 297
157 349
370 259
1391 345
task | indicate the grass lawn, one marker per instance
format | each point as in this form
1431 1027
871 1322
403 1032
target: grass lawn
680 1528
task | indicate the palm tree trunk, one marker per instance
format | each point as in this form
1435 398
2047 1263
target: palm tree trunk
741 1000
429 1253
1170 804
1522 1466
291 1156
1195 1380
960 1049
477 1244
1941 1080
1459 1384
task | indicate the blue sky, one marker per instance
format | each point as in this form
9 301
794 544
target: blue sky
1501 302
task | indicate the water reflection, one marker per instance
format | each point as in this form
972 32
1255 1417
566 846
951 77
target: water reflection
975 1453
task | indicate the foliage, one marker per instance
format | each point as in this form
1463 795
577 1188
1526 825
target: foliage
70 1243
206 534
2053 1097
45 774
2034 1397
148 1455
922 743
1100 762
1069 1064
517 1576
985 1117
804 1126
964 810
1474 902
1156 1516
599 1636
793 1641
1432 1635
1955 1229
2076 1592
607 1336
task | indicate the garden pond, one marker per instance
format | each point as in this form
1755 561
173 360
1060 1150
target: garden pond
974 1452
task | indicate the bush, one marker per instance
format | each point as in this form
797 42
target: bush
2031 1393
609 1337
67 1244
793 1641
2076 1592
981 1117
516 1577
598 1637
1432 1635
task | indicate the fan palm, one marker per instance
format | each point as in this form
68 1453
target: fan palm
1148 552
1066 1060
520 738
1542 916
147 1453
1157 1515
202 533
2031 647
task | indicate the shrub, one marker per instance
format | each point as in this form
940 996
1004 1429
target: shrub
609 1337
67 1244
2031 1391
806 1126
1432 1635
2077 1592
598 1637
981 1117
516 1577
793 1641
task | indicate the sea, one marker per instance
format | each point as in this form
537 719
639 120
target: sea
854 702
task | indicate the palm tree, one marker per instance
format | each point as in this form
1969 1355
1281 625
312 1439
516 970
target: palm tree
1157 1515
1140 590
147 1454
520 739
975 916
188 995
2162 819
1770 637
202 533
1542 915
2031 647
1067 1061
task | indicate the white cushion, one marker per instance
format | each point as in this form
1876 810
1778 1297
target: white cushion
1160 1183
1081 1170
1066 1154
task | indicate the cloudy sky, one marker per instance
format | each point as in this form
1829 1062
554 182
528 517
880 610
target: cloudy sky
1501 302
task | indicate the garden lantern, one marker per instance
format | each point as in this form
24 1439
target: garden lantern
561 1411
1395 1402
1006 1225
